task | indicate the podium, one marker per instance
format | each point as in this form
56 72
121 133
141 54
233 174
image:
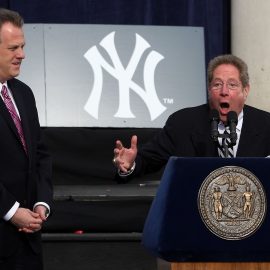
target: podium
175 231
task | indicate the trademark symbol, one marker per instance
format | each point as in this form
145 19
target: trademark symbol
168 100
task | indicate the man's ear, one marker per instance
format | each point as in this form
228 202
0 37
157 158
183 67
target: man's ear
246 91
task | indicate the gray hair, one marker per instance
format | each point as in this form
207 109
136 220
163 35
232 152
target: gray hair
232 60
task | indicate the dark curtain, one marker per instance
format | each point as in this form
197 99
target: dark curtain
213 15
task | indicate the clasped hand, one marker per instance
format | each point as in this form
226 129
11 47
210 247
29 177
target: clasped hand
28 221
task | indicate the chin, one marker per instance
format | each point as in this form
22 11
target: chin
15 74
223 119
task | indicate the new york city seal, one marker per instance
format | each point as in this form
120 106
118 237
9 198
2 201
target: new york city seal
232 202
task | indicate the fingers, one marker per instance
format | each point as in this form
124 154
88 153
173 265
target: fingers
116 161
34 218
31 228
116 152
43 216
26 230
119 145
34 214
26 220
34 226
133 144
124 157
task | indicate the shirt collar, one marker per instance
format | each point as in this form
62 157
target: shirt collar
240 121
221 125
5 84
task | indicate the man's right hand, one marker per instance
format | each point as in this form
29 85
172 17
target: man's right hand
124 157
26 220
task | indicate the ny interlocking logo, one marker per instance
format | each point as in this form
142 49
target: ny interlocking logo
124 76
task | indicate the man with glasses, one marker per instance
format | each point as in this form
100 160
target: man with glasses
187 131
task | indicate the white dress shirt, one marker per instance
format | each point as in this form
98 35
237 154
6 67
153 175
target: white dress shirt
16 205
221 129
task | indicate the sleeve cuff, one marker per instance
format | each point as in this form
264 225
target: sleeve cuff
44 204
129 172
11 212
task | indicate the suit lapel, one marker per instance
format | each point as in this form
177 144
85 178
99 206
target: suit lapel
202 141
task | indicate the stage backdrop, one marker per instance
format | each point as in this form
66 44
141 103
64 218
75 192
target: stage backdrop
113 75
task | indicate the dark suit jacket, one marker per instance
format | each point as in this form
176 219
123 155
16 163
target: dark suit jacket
187 134
23 178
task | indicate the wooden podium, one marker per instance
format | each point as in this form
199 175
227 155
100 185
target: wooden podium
175 232
221 266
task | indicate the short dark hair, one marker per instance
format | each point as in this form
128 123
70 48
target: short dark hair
232 60
11 16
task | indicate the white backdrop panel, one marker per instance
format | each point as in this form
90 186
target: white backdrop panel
113 75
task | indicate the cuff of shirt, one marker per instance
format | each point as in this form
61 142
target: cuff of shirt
129 172
11 212
44 204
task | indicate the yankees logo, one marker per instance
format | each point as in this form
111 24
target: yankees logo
124 76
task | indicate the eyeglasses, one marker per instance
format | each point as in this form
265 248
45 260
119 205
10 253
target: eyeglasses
232 85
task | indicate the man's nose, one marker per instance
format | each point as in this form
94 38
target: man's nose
21 53
224 89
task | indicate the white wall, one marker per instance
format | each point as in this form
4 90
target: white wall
251 42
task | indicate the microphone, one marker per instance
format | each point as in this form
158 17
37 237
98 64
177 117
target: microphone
232 120
214 118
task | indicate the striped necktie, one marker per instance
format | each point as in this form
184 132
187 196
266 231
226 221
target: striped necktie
225 141
16 119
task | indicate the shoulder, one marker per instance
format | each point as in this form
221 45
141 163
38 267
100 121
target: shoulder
20 87
255 113
192 118
15 83
256 119
191 113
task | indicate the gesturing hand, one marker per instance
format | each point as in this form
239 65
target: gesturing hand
124 157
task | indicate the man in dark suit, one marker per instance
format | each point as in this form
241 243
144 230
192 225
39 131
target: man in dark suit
25 165
187 132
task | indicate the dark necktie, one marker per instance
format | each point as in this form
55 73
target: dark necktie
17 121
221 149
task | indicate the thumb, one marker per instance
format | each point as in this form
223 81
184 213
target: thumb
134 142
34 214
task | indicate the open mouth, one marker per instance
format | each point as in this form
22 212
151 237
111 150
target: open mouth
224 105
